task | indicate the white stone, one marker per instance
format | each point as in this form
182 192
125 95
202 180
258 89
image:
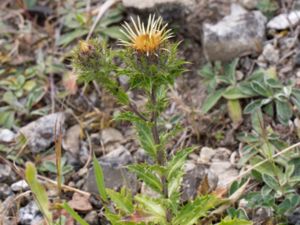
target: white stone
41 133
249 4
146 4
206 154
238 34
6 135
284 21
271 54
110 135
20 185
225 172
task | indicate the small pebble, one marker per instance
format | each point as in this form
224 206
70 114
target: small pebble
5 172
110 135
20 185
92 218
271 54
297 61
30 214
5 191
206 154
6 135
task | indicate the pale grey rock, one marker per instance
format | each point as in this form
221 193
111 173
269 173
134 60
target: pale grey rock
119 156
20 185
294 217
284 21
194 175
79 184
84 152
6 135
111 135
5 191
40 134
116 175
71 141
239 75
141 156
243 203
297 60
271 54
30 214
5 173
262 213
92 218
8 220
249 4
222 154
225 172
206 154
238 34
146 4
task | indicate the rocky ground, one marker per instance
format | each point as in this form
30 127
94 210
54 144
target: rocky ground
40 96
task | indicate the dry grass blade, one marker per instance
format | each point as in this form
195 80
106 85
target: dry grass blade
58 142
103 8
20 172
262 162
232 199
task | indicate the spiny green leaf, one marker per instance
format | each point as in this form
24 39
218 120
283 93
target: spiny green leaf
174 185
194 210
177 162
113 218
146 175
123 200
153 207
146 139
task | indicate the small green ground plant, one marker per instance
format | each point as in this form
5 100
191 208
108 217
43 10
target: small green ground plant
280 176
150 63
264 90
259 95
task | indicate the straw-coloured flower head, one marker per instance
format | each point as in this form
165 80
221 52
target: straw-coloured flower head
145 39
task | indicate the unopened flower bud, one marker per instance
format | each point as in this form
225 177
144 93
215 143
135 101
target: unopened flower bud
85 48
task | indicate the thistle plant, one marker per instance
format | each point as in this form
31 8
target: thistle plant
150 62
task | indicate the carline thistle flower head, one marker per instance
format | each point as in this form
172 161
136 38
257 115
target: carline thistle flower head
145 39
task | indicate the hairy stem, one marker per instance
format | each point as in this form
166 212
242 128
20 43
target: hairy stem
136 112
161 155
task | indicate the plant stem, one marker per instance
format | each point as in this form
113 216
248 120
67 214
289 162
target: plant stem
135 110
161 155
